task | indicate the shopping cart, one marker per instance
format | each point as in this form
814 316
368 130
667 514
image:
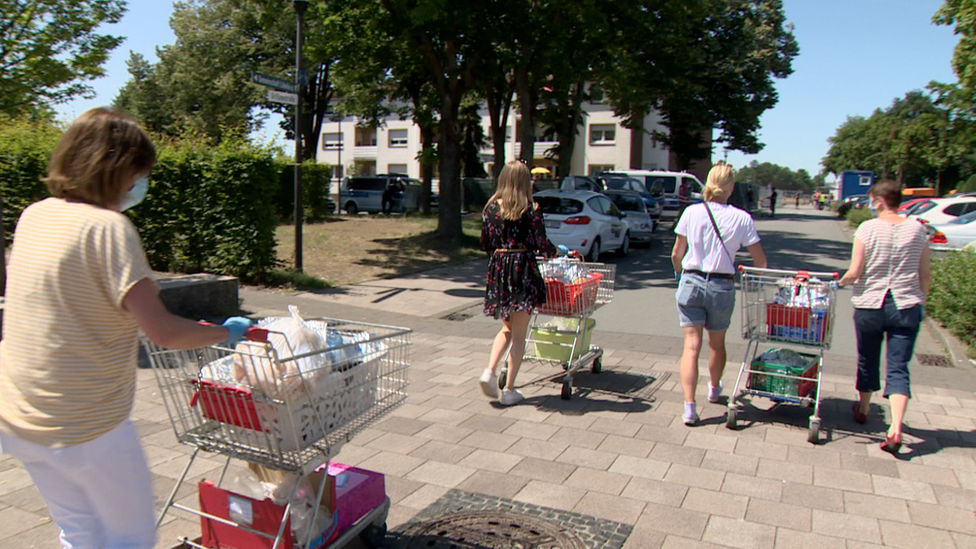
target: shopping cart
791 307
290 413
563 336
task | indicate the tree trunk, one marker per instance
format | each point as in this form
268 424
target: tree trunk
426 168
527 96
570 106
499 102
449 147
316 100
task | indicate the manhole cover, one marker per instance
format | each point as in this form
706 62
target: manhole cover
490 530
933 360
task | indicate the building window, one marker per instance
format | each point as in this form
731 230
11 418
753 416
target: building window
331 141
597 168
603 134
336 172
397 168
596 94
398 138
365 137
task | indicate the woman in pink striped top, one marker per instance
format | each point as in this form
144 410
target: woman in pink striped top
890 270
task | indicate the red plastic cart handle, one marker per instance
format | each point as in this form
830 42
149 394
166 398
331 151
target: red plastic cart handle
259 335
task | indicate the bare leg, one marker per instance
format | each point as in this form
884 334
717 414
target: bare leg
864 405
899 403
518 323
689 361
716 356
500 345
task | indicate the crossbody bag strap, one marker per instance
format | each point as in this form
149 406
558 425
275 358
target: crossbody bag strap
719 234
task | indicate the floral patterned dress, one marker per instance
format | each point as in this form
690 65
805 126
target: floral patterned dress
514 282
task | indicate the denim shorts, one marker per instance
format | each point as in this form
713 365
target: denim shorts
707 303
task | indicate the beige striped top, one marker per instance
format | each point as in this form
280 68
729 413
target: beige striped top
68 353
892 255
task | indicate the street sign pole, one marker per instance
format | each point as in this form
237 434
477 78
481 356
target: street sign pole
300 7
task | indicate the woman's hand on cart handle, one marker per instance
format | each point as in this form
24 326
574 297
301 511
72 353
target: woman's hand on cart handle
239 328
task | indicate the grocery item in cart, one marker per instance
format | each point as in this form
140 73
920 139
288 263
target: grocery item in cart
787 362
799 311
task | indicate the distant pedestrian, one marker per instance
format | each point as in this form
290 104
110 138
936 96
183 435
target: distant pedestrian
392 188
772 203
890 270
798 200
78 290
513 232
750 199
707 238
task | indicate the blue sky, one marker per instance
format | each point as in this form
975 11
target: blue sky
855 56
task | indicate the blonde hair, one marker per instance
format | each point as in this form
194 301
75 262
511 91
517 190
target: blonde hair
720 182
98 156
514 192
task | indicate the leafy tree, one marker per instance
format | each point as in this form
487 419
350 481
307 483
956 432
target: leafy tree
50 48
778 176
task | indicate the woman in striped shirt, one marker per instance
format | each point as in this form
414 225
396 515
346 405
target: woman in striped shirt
890 270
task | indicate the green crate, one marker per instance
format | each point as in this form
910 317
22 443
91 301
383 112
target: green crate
557 344
783 386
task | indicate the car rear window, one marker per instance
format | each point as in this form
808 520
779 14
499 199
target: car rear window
924 207
558 205
628 203
667 183
964 219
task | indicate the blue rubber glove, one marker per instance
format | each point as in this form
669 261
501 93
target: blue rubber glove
562 249
236 326
677 276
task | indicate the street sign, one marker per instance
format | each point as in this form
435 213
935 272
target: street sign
273 82
283 97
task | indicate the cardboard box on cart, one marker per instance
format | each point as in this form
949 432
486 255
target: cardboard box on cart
349 495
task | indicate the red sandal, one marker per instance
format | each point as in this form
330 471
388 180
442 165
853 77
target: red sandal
892 443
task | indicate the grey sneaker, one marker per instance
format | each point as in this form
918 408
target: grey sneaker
690 420
510 398
714 393
489 384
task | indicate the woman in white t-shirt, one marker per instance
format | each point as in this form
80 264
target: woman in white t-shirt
707 237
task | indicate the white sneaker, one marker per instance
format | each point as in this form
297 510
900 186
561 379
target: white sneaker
690 420
714 393
510 398
489 384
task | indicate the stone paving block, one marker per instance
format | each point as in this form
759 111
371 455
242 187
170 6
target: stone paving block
791 539
950 461
948 402
442 451
531 429
904 489
609 507
593 480
352 454
402 425
400 444
447 402
16 479
967 479
575 419
446 433
541 449
494 484
615 427
715 503
26 499
656 433
413 411
655 491
448 417
528 413
626 446
869 505
392 464
952 423
579 438
851 481
544 470
869 465
958 498
684 455
583 457
497 442
964 541
815 497
782 470
174 468
693 476
678 542
761 449
853 527
739 533
670 520
398 488
654 418
545 494
942 518
707 441
640 467
721 460
928 475
753 487
489 460
644 538
814 455
156 455
909 536
424 496
779 514
484 423
441 474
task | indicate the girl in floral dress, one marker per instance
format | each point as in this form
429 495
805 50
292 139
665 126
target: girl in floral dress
513 233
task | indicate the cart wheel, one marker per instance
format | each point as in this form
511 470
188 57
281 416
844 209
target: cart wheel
813 437
502 378
567 391
731 418
374 536
597 365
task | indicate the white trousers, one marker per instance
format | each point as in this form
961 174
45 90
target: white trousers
99 492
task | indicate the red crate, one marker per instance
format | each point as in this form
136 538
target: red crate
572 298
231 405
789 316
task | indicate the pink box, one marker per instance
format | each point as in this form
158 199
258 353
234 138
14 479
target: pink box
358 492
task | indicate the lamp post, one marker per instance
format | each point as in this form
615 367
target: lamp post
300 7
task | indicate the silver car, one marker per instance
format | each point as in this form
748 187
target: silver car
637 218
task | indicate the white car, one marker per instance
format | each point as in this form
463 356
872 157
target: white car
939 211
584 221
638 219
954 235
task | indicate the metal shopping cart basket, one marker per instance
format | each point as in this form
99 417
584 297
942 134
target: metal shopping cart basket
562 336
789 307
273 403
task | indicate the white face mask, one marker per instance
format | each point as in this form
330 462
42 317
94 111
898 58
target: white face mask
136 194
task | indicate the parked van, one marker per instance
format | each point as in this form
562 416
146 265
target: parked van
364 193
667 188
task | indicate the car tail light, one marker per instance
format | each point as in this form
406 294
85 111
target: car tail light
920 220
578 220
938 238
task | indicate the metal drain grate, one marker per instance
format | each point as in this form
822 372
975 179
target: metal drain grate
457 317
489 530
938 361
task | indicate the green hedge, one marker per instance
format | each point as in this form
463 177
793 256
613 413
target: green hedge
856 217
316 204
952 298
25 148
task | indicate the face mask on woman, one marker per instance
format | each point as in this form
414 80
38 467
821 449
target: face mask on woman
136 194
